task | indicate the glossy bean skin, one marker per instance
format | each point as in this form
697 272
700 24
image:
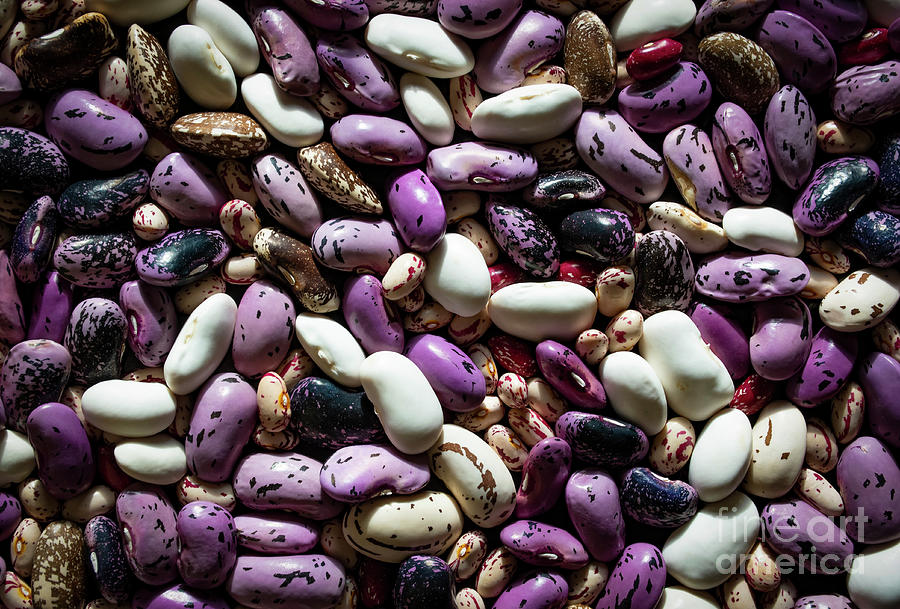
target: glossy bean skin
51 306
423 581
33 240
89 204
329 416
570 376
149 532
208 544
107 559
361 472
623 443
182 257
275 533
689 154
835 189
152 324
637 578
286 48
349 67
679 96
656 501
270 581
378 140
177 596
543 545
505 59
96 339
263 328
35 372
370 317
221 423
525 237
544 477
548 588
789 130
284 480
417 210
460 387
589 490
62 448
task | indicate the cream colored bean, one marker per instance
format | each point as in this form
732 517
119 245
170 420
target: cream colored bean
427 109
886 337
762 570
586 583
847 412
828 255
861 300
545 400
188 297
150 221
483 358
331 346
624 330
419 45
508 445
722 455
392 382
816 490
466 330
16 457
159 459
615 289
591 346
36 501
467 554
286 439
240 222
235 175
634 391
700 236
201 345
672 447
779 447
296 366
821 446
478 234
429 317
820 283
496 572
21 546
726 528
696 382
468 598
273 402
335 545
462 460
413 301
405 274
527 114
191 488
201 69
537 311
529 425
395 527
465 96
489 412
95 501
512 389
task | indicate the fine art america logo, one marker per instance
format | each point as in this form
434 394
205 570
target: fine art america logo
818 546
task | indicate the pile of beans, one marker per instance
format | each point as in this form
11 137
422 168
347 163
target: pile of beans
431 304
